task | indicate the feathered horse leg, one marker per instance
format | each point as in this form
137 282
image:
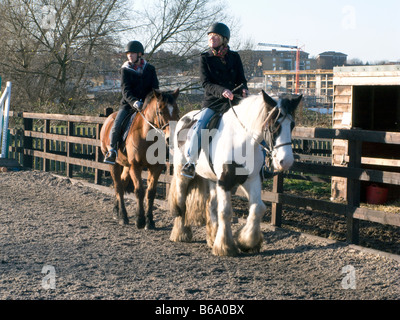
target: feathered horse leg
177 203
224 244
249 238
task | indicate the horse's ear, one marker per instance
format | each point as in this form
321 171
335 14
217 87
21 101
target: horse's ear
296 102
299 99
268 100
157 93
175 94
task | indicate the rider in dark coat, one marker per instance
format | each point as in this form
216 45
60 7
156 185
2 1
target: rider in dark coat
138 79
217 75
221 71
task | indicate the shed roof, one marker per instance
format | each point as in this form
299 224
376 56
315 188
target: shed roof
367 75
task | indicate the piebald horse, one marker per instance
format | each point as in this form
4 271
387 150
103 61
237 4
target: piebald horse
158 110
234 157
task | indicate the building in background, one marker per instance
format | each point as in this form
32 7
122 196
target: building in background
315 85
331 59
277 60
315 74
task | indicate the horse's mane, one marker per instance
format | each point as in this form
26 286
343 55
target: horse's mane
285 102
166 96
148 99
251 110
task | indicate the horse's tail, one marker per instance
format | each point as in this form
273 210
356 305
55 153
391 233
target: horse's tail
188 198
130 188
196 201
105 133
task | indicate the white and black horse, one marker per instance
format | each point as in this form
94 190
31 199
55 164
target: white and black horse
234 157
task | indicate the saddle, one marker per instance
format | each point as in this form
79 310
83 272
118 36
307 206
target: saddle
213 123
125 127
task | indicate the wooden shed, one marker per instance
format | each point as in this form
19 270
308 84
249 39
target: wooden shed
366 98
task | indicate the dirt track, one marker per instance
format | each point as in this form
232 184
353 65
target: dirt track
50 221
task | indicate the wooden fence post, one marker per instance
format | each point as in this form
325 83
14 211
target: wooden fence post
276 215
98 157
28 144
70 149
46 146
353 192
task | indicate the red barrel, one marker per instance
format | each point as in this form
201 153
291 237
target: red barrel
376 195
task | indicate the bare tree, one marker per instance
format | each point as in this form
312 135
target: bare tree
177 25
51 47
174 31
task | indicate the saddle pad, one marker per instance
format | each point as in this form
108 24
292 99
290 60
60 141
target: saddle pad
188 124
127 125
214 121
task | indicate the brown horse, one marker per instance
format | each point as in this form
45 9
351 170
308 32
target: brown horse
159 108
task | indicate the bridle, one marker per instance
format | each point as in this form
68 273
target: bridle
156 126
269 138
158 113
269 132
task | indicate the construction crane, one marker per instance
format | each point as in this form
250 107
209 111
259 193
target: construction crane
297 59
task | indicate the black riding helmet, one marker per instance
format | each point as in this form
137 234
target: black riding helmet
134 46
220 29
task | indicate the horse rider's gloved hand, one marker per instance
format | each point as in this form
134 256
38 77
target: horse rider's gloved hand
138 105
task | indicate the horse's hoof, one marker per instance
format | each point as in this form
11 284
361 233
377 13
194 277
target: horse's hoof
123 222
150 226
140 223
182 237
115 214
249 245
226 249
254 250
225 252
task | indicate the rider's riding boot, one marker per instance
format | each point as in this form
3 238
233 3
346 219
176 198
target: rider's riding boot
189 170
115 135
111 156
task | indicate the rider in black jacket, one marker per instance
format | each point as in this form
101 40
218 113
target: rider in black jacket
138 79
221 70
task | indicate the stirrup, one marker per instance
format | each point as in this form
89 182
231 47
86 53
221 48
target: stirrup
109 158
188 170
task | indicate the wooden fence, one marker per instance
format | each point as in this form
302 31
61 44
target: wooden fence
74 148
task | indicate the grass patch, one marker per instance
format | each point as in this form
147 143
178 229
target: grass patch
303 187
314 188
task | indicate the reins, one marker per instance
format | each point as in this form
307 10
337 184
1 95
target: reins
271 133
216 102
267 138
159 129
268 134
